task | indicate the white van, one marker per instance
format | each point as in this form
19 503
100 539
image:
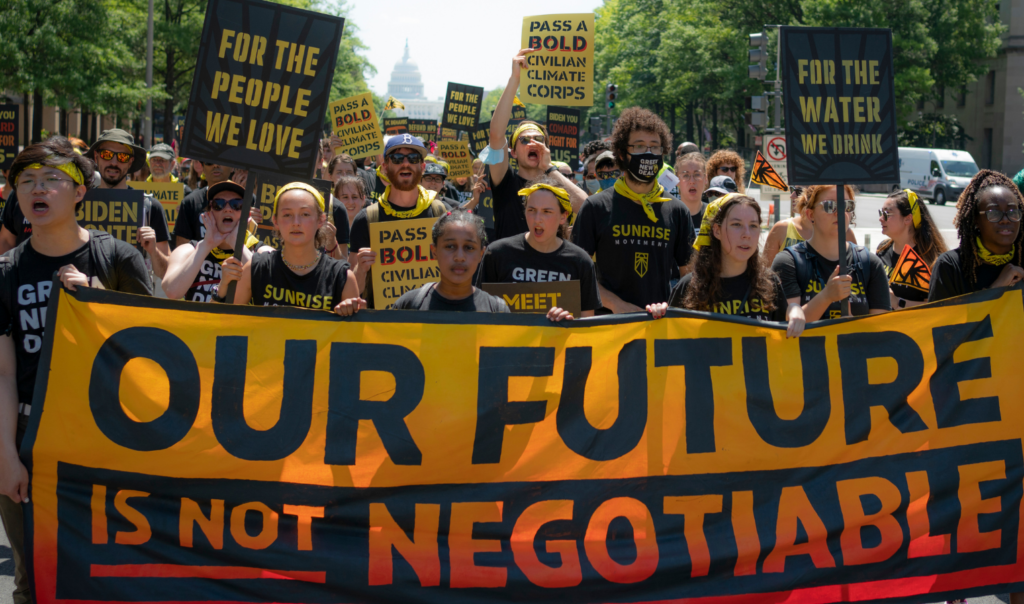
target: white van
936 174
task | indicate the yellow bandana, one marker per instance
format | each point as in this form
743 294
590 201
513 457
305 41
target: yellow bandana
704 238
645 200
915 207
383 179
68 168
221 255
561 194
423 201
523 129
989 258
150 178
298 186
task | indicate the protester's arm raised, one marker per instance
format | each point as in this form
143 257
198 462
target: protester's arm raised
186 260
13 476
502 114
576 195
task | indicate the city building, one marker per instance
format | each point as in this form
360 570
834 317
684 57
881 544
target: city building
406 85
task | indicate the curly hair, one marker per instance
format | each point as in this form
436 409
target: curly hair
54 151
705 290
593 147
727 156
967 228
354 181
809 198
632 120
928 241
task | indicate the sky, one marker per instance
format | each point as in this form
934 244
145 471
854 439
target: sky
465 41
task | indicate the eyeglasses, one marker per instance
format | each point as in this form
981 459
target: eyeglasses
638 149
996 215
527 139
107 155
609 174
397 158
219 204
691 175
829 205
27 184
728 169
433 178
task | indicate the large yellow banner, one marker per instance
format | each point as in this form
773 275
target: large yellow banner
208 453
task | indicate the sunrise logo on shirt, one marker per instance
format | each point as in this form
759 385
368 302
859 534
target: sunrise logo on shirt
640 263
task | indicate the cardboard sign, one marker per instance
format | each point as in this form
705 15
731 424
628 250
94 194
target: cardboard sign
564 135
355 120
462 106
460 160
840 105
120 212
424 129
404 261
480 137
169 194
561 72
8 135
266 186
262 86
538 297
396 125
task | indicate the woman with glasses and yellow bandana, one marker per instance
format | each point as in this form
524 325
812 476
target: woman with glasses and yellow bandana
810 269
906 221
988 224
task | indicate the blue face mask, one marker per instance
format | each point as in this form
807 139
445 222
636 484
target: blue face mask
593 186
607 183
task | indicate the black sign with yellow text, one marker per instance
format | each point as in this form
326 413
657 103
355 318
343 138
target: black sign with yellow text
262 86
426 130
396 125
120 212
462 106
8 135
840 105
564 135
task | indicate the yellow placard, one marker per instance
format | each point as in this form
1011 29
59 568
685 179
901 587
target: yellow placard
169 194
404 261
561 72
456 153
355 120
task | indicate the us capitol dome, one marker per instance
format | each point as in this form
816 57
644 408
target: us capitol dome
406 85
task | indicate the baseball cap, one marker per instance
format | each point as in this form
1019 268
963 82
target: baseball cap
405 140
227 185
162 150
722 185
435 168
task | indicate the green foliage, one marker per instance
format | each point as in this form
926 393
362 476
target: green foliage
934 131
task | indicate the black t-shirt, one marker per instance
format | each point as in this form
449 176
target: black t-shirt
205 284
509 212
736 300
14 221
889 258
695 219
948 277
29 277
480 301
274 284
868 291
513 260
340 216
634 255
369 179
188 224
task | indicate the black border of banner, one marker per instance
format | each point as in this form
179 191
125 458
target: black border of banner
102 296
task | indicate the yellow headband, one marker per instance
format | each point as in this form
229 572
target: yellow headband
561 194
915 208
292 186
522 129
68 168
704 238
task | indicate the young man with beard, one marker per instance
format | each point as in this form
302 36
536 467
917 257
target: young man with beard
529 148
638 233
194 270
117 156
403 199
189 226
51 179
161 166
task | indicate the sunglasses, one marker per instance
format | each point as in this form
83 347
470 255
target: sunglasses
527 139
219 204
607 175
829 205
884 214
727 168
122 156
996 215
397 158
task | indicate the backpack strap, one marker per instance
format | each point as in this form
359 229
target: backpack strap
421 295
102 249
802 258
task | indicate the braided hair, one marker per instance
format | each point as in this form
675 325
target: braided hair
967 215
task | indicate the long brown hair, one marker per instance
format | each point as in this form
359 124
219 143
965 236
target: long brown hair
967 228
928 242
705 290
726 156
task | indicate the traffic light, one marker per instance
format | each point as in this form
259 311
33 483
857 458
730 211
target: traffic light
758 55
611 92
595 124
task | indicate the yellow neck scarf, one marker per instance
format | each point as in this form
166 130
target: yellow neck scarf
150 178
645 200
383 179
423 201
704 237
989 258
221 255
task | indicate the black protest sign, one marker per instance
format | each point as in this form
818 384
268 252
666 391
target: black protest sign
485 208
462 106
396 125
538 297
564 135
480 137
8 135
120 212
267 185
424 129
840 105
262 86
449 134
